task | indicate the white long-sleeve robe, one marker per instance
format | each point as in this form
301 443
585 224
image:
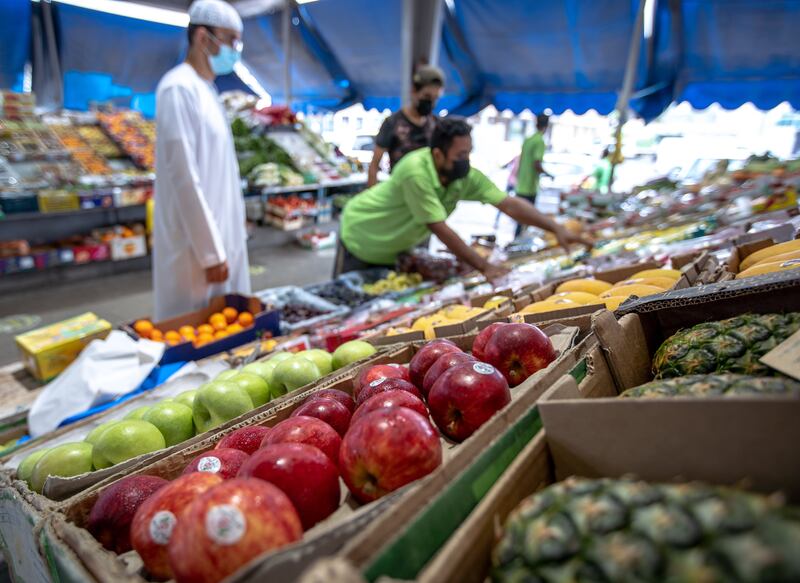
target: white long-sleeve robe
199 217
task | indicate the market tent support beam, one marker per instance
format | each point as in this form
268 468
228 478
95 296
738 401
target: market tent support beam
420 38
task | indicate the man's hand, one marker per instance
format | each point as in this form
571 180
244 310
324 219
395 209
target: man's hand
565 238
217 273
494 272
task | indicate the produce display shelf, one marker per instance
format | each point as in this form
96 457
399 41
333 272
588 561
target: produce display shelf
32 279
319 187
36 216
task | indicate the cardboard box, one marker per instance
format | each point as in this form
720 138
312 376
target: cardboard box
716 439
740 252
264 322
49 350
567 446
123 248
330 535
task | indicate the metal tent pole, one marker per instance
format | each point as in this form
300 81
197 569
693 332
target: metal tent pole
627 83
286 26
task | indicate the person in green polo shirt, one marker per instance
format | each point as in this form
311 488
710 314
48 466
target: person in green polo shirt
393 217
530 164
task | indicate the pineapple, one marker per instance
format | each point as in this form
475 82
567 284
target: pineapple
734 345
625 530
716 385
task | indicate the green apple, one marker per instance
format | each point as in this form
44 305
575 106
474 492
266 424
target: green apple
218 402
265 369
125 440
227 375
256 387
351 352
322 358
138 413
65 460
186 398
279 356
173 420
25 468
95 433
295 372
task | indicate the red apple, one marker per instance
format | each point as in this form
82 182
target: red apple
389 400
379 371
336 395
246 439
155 520
383 385
467 396
224 462
305 474
112 513
308 430
228 526
482 338
331 412
518 351
442 365
426 356
386 450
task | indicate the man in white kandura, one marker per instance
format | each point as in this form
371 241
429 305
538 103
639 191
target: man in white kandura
199 235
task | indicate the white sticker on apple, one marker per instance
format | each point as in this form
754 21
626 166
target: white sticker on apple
483 368
161 526
376 382
209 464
225 524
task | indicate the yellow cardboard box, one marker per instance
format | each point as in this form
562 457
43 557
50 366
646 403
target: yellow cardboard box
49 350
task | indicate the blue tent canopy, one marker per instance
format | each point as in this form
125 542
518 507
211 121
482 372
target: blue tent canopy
109 57
515 54
739 51
15 32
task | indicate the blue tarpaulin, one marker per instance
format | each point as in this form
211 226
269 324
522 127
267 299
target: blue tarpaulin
15 38
108 57
739 51
515 54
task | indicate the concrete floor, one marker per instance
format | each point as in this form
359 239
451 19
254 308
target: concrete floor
275 260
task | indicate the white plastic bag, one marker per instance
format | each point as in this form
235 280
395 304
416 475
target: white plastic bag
105 370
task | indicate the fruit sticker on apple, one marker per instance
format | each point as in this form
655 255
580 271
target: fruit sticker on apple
384 385
465 397
223 462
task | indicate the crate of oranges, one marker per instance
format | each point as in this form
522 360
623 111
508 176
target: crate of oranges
227 322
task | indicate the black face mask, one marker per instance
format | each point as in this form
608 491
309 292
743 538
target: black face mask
424 106
459 170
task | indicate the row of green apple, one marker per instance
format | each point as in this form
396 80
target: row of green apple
173 420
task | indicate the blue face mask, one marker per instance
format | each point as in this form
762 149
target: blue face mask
223 62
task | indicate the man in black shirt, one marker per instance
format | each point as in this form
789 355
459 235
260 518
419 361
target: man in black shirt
411 127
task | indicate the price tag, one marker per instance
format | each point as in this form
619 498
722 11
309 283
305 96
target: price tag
785 357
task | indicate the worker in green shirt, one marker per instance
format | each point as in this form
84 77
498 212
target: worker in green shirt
602 172
530 165
426 185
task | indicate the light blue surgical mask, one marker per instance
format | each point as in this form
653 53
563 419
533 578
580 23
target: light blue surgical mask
223 62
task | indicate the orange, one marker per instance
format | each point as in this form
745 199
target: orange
143 328
203 339
234 329
205 329
246 319
186 331
230 314
220 334
172 336
173 342
157 335
218 321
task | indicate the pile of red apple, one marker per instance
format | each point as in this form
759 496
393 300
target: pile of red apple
260 488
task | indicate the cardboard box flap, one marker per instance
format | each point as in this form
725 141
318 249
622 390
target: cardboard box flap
621 341
720 441
564 388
